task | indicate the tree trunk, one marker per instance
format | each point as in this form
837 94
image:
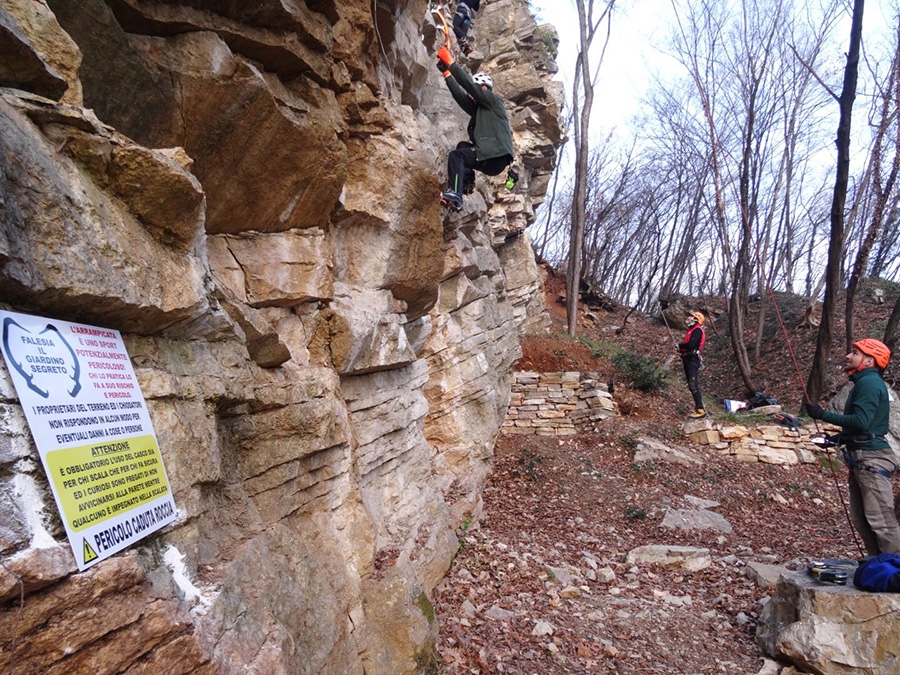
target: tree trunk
890 97
584 79
890 331
816 380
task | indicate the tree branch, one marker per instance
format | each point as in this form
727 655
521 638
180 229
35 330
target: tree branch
814 74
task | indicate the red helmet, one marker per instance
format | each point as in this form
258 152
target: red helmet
877 350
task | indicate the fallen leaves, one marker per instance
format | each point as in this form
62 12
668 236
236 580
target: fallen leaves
542 586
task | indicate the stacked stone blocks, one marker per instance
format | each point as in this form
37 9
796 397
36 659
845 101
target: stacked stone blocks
557 404
771 444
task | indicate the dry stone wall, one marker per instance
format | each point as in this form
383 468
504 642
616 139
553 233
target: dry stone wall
767 443
557 404
247 191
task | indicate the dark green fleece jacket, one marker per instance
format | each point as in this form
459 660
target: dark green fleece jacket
867 411
489 127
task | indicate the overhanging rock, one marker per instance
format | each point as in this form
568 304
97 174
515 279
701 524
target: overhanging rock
831 630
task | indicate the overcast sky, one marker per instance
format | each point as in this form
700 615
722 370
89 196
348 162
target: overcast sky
637 47
640 33
639 28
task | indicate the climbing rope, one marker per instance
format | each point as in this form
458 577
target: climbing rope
717 145
787 340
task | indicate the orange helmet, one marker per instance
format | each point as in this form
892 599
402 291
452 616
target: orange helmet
877 350
699 317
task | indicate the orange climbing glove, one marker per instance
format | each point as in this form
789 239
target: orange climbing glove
444 56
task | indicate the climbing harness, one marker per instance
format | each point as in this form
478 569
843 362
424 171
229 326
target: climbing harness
850 458
852 462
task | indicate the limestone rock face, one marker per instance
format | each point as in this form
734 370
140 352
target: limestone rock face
72 245
37 55
247 191
830 629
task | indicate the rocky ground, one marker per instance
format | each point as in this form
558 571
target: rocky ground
542 583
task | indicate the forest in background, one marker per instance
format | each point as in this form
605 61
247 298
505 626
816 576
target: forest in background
769 164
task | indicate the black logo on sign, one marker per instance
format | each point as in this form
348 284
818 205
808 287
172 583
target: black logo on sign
49 356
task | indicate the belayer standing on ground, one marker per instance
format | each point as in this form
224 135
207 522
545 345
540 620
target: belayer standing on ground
689 350
868 455
462 21
490 148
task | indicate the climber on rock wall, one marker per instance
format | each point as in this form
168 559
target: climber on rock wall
462 21
489 149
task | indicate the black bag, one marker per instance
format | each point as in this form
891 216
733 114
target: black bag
787 420
760 399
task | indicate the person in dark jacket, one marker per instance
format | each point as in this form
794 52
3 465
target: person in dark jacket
490 148
689 350
462 21
868 455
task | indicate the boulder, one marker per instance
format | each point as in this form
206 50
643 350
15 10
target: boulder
648 450
695 519
36 55
764 575
831 630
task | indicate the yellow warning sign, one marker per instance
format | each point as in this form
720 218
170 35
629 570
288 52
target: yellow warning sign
100 481
90 554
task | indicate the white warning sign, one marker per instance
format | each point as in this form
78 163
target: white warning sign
92 429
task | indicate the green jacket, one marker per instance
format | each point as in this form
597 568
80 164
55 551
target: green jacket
867 411
489 127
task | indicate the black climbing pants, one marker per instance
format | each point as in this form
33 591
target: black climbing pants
462 165
461 22
691 364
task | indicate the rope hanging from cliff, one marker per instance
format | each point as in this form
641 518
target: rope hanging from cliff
745 220
764 281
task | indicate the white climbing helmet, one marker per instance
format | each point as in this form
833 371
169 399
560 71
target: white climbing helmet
483 78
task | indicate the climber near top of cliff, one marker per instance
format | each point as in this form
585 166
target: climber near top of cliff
462 21
489 149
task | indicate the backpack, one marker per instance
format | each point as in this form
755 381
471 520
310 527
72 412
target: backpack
760 399
786 419
879 574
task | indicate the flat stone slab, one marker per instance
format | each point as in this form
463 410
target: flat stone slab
695 519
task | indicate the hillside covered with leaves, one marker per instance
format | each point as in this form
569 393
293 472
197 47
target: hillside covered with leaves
541 583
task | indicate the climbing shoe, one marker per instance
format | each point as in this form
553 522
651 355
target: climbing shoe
698 414
469 189
452 199
511 178
466 47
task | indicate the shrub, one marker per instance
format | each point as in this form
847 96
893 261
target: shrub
599 349
635 512
641 371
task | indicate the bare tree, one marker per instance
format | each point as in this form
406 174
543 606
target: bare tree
723 191
816 379
582 103
882 186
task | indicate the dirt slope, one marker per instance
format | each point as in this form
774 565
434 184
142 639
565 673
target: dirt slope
560 507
